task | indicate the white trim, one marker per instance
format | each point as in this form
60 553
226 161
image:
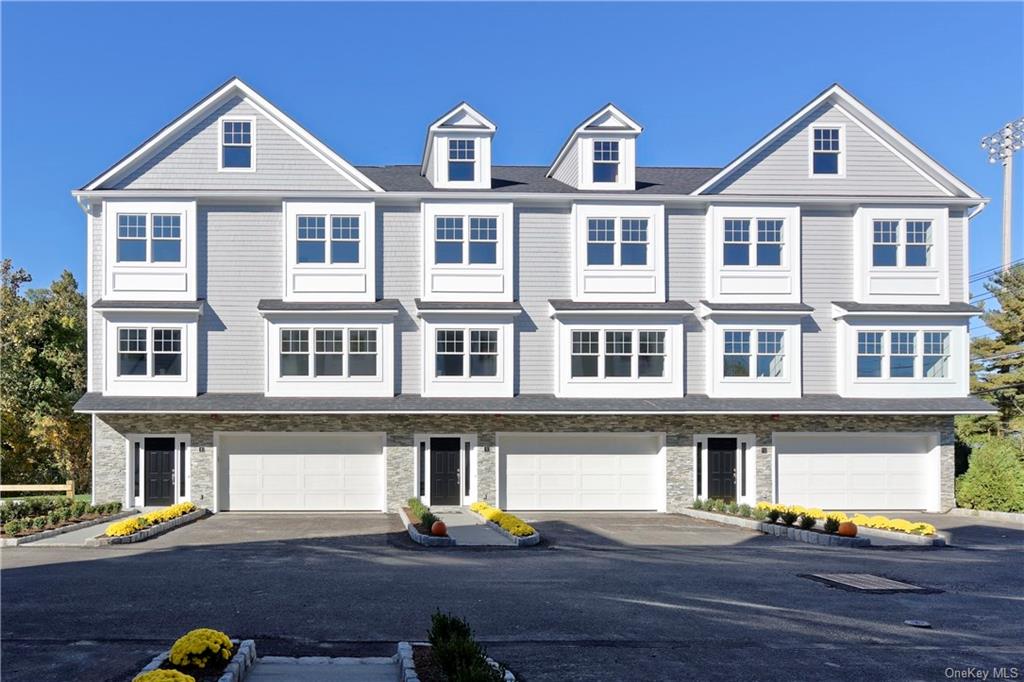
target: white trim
90 256
841 154
465 281
635 129
438 125
200 110
753 283
474 482
618 283
499 386
251 120
181 385
900 283
92 462
839 313
130 440
749 464
837 94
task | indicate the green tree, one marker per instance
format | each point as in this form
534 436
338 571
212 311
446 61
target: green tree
42 374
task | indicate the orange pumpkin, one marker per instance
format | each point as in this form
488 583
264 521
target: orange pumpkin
439 529
848 529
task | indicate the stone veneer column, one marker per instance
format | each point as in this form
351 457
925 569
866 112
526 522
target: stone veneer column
487 467
679 471
109 463
400 451
947 465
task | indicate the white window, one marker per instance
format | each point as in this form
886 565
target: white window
337 352
901 243
618 354
900 354
236 144
455 358
137 358
450 240
311 233
345 239
461 160
826 151
606 161
736 250
617 241
757 354
135 243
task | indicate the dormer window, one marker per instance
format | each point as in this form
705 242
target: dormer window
606 161
236 144
461 160
826 152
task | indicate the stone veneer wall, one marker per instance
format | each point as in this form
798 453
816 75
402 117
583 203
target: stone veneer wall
111 430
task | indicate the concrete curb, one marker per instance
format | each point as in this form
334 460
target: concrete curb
409 667
527 541
789 532
1008 517
940 539
147 533
237 669
425 540
54 532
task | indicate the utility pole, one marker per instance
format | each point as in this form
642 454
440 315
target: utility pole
1000 147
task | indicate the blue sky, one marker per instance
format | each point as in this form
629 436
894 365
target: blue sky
83 84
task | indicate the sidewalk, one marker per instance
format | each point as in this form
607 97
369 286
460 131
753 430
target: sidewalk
324 669
468 529
75 538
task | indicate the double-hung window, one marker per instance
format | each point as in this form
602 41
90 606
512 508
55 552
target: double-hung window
617 241
336 352
345 239
313 243
826 151
453 357
450 240
236 144
737 241
136 244
617 354
461 160
757 354
900 354
311 234
144 352
606 161
901 243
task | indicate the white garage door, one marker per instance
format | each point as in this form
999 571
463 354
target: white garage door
857 472
581 472
301 472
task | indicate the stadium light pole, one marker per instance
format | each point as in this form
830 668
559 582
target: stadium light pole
1000 147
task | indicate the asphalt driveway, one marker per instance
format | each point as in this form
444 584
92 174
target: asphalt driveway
607 597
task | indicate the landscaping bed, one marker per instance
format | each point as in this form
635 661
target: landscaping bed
202 655
146 526
419 521
452 654
35 518
509 525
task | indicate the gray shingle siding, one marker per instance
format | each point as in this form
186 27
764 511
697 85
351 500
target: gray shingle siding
96 263
957 257
687 275
190 162
781 168
400 276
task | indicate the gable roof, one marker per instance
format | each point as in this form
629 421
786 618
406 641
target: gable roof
609 117
874 125
453 119
233 87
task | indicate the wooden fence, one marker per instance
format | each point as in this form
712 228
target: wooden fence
67 488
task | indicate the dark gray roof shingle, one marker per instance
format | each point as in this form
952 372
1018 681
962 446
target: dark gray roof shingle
564 304
530 404
909 308
757 307
429 306
185 306
649 180
269 305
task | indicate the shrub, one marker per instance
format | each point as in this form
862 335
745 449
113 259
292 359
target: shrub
718 505
417 507
53 517
789 516
759 514
163 675
994 478
457 653
807 521
697 503
14 527
40 522
744 510
732 508
831 524
78 508
427 519
773 514
200 648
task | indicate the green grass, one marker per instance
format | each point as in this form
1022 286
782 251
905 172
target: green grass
81 497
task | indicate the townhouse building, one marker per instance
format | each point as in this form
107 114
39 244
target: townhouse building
274 328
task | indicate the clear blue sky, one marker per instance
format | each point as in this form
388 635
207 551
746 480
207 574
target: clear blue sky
83 84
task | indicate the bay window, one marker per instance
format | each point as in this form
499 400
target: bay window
455 358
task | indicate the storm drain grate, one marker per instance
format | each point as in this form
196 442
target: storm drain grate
866 582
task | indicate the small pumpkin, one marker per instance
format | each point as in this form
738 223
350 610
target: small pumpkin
848 529
439 528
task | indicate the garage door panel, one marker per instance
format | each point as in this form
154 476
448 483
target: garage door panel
581 472
303 472
855 472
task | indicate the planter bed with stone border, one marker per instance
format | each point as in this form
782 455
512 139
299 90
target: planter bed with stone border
895 537
235 670
520 541
150 531
811 537
61 530
418 664
418 535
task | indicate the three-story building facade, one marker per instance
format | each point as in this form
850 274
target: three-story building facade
274 328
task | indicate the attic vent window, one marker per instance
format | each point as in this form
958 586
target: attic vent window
826 151
236 144
606 161
461 160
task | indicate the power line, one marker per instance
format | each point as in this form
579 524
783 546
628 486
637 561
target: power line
999 357
988 272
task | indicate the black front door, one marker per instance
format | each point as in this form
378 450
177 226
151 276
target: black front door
444 471
159 471
722 469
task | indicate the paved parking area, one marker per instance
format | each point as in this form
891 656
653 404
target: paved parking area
606 597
